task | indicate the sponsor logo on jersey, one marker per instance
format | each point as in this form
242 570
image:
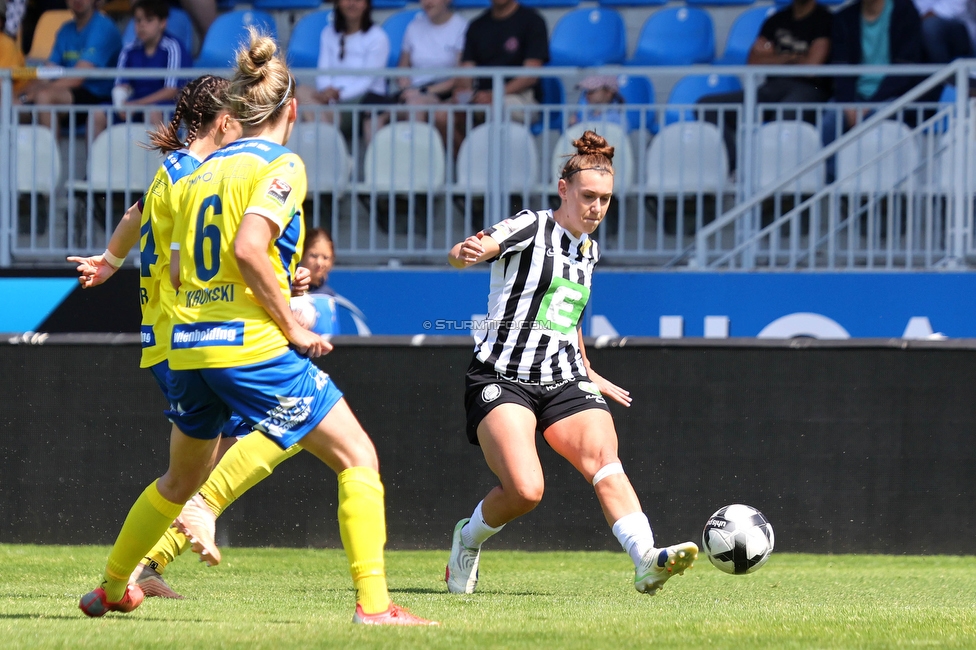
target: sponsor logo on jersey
148 337
279 191
199 335
490 393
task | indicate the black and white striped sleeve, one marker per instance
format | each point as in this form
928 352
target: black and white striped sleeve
515 233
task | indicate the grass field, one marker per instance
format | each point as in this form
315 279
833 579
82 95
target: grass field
287 598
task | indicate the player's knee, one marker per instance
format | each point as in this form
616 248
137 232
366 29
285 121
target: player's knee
526 495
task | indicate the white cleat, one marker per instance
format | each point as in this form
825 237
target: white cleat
199 524
462 567
659 564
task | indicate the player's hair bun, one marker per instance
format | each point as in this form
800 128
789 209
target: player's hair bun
253 58
591 144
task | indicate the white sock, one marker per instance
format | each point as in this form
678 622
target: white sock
633 531
476 531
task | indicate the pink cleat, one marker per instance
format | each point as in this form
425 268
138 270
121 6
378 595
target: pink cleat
95 604
395 615
152 583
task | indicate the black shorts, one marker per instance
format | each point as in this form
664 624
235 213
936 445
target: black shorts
484 389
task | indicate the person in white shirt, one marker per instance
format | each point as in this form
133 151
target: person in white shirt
353 42
433 39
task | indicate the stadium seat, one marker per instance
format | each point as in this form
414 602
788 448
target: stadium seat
227 33
632 3
306 35
404 157
602 30
783 146
520 171
38 167
826 2
178 25
638 90
676 36
322 146
687 158
119 161
44 33
743 34
615 135
718 3
226 5
471 4
394 26
389 4
552 93
688 90
549 4
286 5
890 172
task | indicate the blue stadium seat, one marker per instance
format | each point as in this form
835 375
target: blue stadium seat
676 36
389 4
286 5
303 44
743 34
547 4
394 26
638 90
178 25
552 92
226 5
227 33
603 32
471 4
718 3
632 3
690 89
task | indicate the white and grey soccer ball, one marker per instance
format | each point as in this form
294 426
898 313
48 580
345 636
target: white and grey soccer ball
738 539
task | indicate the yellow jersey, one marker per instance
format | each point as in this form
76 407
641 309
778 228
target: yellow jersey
156 293
218 323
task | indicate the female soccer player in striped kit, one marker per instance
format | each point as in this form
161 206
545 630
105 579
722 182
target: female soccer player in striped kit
236 347
530 372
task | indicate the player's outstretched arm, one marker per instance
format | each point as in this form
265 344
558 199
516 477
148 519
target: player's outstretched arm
251 250
93 271
474 249
609 389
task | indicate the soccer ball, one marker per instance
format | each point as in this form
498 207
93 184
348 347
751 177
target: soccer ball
738 539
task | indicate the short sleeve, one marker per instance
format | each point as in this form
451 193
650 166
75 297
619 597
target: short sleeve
102 46
409 37
768 29
279 191
824 25
537 40
514 234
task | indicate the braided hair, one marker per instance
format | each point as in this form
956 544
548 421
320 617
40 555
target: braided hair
201 100
592 152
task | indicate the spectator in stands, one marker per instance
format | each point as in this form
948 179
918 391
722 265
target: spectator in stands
89 40
13 16
201 12
153 48
506 34
32 11
601 92
353 42
948 29
878 32
10 54
799 34
318 256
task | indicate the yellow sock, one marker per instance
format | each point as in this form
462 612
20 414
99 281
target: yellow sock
172 544
362 526
247 463
146 522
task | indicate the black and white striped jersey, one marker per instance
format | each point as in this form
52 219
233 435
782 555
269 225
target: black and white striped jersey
540 284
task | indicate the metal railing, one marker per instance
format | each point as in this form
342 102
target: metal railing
392 186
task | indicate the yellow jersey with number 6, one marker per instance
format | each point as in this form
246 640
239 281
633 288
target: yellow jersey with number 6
218 323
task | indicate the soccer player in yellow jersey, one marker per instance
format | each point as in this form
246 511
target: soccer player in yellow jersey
237 347
201 111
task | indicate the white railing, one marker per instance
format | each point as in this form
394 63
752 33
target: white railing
411 193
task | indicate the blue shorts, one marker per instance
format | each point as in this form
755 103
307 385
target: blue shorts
235 426
283 398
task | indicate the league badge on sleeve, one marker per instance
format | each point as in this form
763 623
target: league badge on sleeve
279 190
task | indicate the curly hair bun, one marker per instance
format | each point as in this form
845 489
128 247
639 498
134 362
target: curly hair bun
592 144
252 57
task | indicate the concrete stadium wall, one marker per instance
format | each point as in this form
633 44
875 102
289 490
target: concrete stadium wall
846 447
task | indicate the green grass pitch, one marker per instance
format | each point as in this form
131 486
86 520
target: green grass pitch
301 598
